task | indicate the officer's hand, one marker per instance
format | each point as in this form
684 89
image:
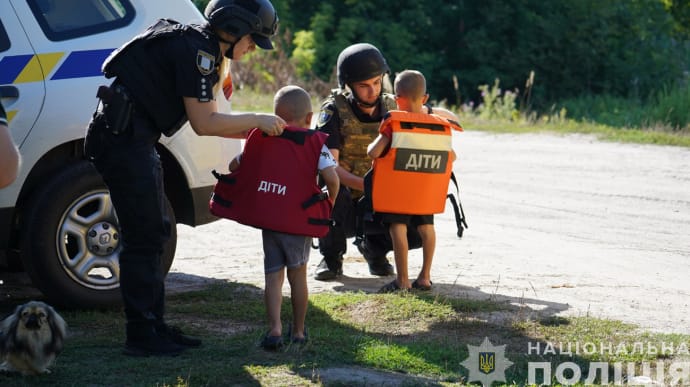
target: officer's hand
270 124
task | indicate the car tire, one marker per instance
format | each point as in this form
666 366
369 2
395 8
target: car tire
70 240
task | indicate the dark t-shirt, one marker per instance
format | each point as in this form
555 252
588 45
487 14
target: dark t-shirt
160 71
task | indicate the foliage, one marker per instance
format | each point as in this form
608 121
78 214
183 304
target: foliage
557 120
497 104
406 33
666 109
304 54
632 49
622 48
200 4
575 48
680 10
670 107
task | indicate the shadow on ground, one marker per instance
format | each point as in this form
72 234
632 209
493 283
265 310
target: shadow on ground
232 323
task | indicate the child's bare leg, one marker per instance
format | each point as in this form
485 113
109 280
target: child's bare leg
398 232
273 298
299 296
428 234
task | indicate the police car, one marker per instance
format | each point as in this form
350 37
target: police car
57 221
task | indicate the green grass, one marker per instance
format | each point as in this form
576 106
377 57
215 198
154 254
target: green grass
607 118
667 108
568 126
416 339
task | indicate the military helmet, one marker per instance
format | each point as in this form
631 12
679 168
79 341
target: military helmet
360 62
242 17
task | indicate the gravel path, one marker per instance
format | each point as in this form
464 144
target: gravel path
559 225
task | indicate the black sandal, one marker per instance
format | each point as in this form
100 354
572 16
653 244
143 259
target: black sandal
390 287
418 286
295 340
272 342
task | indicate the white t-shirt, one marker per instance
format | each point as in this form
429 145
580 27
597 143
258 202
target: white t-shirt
326 159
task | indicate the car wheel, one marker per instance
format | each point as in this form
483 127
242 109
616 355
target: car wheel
70 240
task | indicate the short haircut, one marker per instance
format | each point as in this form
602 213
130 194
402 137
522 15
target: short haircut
292 103
410 84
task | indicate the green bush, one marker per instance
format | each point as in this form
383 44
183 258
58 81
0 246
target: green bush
668 108
600 60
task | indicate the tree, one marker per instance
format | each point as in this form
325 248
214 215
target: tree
623 48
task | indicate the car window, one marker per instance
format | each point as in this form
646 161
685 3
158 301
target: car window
68 19
4 39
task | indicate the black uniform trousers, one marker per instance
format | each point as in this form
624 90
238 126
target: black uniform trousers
131 168
346 215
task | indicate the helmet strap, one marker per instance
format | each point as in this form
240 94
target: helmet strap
229 52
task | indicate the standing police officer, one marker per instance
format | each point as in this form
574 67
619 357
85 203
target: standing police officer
165 77
351 116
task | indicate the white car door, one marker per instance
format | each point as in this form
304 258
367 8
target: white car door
22 76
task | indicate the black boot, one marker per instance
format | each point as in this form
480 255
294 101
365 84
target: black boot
375 257
176 336
380 266
142 340
329 268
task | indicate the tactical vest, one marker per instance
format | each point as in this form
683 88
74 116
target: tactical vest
357 134
412 176
148 88
275 187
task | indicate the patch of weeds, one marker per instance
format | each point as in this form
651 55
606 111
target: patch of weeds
554 321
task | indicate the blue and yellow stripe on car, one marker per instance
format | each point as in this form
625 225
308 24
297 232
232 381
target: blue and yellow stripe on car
39 67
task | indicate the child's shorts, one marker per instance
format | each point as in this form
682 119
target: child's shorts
284 250
409 220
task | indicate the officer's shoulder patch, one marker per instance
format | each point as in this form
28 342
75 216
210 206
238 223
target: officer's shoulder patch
325 114
205 62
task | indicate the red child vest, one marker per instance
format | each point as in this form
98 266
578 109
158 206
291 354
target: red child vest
275 186
412 177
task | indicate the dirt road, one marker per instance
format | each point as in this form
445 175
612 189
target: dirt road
559 225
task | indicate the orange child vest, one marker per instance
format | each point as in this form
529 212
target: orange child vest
412 177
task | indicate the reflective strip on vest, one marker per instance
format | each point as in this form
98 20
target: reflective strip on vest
412 177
